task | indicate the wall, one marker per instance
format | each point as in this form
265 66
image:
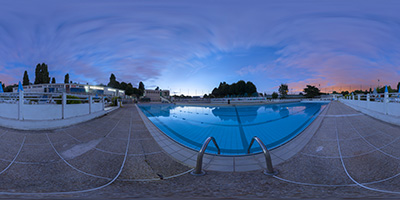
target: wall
41 112
9 110
47 111
388 112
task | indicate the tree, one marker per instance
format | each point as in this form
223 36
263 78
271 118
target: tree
42 74
250 88
123 85
66 78
129 89
311 91
274 95
9 88
157 88
53 80
398 86
25 80
283 90
113 82
240 88
141 88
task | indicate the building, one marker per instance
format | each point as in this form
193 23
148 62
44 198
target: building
72 88
156 95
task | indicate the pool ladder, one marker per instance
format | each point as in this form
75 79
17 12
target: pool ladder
198 171
199 164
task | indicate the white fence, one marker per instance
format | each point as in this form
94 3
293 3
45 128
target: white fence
386 103
47 106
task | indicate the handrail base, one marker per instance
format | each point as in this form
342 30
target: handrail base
275 172
202 173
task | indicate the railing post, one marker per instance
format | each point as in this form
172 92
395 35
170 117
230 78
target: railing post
368 100
386 100
270 170
199 164
103 103
90 104
64 104
20 104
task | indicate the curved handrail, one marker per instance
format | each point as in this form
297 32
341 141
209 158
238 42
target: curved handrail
270 170
199 164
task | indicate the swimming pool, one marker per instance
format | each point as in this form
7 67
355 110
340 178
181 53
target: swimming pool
232 126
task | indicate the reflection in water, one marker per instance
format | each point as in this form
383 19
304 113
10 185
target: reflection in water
249 114
284 111
225 113
158 109
275 108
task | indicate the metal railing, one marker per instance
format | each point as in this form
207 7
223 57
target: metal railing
270 170
199 164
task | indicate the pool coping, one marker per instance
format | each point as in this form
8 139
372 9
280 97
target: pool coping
240 163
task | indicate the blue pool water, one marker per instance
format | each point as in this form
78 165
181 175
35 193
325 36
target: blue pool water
232 126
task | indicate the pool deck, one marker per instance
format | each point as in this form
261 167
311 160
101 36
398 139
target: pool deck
349 155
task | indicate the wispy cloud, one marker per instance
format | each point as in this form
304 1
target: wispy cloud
325 42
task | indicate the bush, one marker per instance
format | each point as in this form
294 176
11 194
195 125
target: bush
69 101
114 101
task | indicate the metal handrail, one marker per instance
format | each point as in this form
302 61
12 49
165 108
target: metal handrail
199 164
270 170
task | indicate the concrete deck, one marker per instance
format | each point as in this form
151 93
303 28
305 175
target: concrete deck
351 155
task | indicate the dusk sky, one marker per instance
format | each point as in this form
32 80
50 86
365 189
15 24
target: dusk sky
191 46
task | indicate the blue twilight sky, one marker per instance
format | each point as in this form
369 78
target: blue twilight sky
190 46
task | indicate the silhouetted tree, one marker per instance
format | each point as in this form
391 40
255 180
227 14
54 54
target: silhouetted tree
9 88
113 82
398 86
275 95
25 80
251 88
283 90
129 89
53 80
42 74
141 88
66 78
311 91
240 88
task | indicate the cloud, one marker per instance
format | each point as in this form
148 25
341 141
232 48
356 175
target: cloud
329 43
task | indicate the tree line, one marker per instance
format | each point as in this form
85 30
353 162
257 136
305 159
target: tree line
239 89
128 87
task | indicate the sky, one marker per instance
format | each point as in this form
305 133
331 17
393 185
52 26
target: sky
190 46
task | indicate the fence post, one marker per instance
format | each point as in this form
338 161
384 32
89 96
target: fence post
64 103
20 104
368 100
386 100
103 102
90 104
